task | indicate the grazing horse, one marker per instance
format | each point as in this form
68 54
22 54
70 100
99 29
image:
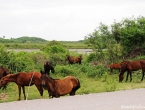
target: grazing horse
130 66
60 87
73 60
116 66
23 79
48 66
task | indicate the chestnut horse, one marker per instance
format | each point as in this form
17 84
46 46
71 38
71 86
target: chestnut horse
48 66
130 66
73 60
116 66
23 79
60 87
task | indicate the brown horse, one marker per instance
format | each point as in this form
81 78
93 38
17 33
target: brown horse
3 72
73 60
130 66
48 66
60 87
23 79
116 66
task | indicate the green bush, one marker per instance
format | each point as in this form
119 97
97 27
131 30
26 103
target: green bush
96 71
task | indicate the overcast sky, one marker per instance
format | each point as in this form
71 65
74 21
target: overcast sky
62 20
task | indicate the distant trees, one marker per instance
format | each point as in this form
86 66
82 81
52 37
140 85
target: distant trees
23 39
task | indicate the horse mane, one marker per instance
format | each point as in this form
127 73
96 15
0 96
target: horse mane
51 77
12 75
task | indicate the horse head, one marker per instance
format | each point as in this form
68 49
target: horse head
43 79
121 77
3 71
48 66
67 57
122 70
3 82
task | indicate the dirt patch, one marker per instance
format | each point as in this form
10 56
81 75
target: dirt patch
3 96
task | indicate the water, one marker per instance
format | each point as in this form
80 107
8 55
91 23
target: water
81 51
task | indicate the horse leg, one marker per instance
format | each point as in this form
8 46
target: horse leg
142 76
127 76
130 76
23 87
72 93
19 88
111 70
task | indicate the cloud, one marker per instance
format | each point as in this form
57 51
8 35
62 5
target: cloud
63 19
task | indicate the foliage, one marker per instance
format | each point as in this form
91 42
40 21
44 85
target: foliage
21 62
54 47
23 39
131 34
126 37
35 42
56 51
4 56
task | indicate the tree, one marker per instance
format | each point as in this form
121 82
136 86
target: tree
101 39
126 37
132 36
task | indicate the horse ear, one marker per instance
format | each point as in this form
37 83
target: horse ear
41 72
4 73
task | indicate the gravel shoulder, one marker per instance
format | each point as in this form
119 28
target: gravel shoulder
118 100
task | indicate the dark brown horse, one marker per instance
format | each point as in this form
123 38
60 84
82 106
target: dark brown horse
3 72
116 66
73 60
47 67
130 66
23 79
60 87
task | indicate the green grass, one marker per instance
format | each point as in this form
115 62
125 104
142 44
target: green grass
106 83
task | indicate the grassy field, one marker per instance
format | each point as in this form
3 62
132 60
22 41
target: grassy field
106 83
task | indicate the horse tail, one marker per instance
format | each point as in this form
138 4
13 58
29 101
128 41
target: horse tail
78 85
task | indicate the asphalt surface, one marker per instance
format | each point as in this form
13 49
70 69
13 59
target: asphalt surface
119 100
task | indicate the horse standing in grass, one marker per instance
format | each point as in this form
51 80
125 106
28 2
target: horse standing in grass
130 66
60 87
73 60
47 67
116 66
23 79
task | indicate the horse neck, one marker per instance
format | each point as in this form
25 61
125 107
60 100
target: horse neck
50 84
11 78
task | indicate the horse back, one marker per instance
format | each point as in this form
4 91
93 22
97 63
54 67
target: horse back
76 59
24 78
66 84
115 66
142 62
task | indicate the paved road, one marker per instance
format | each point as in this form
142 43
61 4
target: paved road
119 100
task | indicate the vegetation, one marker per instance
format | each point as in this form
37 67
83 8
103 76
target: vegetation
125 37
110 44
37 43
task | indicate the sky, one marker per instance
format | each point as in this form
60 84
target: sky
63 20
